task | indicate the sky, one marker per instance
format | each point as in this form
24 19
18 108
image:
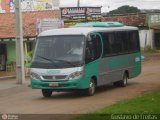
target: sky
108 5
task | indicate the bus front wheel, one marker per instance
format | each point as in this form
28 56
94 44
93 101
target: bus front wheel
92 88
46 92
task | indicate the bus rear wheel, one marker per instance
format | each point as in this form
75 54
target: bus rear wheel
46 93
92 88
123 82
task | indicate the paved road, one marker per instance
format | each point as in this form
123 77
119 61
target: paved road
21 99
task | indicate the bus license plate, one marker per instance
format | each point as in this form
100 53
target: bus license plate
53 85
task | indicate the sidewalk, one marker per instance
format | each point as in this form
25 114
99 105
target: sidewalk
7 75
8 82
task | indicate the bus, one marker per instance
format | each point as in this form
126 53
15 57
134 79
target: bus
85 57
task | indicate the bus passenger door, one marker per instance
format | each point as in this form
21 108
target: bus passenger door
93 53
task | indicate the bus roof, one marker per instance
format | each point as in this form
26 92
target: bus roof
84 30
99 24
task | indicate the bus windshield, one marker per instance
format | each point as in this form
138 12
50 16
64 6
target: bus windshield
53 52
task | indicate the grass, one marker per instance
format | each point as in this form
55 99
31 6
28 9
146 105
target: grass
146 104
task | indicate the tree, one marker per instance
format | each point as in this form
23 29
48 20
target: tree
125 9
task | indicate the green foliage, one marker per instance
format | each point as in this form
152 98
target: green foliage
125 9
29 56
28 59
146 104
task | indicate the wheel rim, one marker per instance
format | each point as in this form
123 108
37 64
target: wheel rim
92 87
125 80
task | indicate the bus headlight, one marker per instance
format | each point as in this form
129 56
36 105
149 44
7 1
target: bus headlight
75 75
35 76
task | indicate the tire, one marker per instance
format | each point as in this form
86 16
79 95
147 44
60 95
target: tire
92 88
46 93
116 84
124 82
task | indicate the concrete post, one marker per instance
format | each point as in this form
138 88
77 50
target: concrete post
20 75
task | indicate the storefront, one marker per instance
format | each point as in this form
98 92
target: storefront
3 56
8 53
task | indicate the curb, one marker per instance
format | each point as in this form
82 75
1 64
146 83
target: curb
7 77
10 77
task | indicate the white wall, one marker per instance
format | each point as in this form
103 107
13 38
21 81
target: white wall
146 38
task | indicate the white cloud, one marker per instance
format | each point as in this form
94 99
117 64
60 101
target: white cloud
108 5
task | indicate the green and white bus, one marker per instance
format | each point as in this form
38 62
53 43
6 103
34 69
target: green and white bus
83 58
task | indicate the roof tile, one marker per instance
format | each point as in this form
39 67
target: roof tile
8 25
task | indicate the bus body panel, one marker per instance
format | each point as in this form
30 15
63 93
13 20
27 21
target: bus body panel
136 69
111 69
48 79
90 70
65 85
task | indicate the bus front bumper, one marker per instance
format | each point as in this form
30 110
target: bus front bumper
65 85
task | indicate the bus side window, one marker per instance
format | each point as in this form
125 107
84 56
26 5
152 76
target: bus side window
97 46
112 44
107 48
115 43
134 41
108 44
93 48
122 42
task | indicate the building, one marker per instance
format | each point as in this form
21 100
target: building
149 32
31 21
8 34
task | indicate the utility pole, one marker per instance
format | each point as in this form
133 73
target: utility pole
20 75
78 3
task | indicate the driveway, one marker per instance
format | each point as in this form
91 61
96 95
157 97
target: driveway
21 99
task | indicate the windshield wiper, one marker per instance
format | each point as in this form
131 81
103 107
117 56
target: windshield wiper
65 61
50 60
45 58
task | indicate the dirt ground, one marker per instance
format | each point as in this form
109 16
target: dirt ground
21 99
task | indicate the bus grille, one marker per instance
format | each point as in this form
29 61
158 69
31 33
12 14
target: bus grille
55 78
